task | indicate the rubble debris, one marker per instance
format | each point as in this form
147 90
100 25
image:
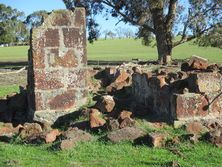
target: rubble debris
112 124
195 128
125 119
157 139
72 137
51 136
125 134
106 104
198 63
95 119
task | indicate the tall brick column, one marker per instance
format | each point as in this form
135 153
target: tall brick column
57 71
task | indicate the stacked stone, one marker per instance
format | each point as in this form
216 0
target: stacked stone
58 63
204 99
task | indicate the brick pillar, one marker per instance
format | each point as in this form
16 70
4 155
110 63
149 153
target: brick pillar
57 71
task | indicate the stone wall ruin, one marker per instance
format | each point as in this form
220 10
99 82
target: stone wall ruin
58 64
180 95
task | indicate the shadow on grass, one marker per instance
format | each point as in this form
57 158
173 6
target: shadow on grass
13 65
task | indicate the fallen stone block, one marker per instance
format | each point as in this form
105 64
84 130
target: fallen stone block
195 128
125 114
198 63
106 104
121 80
157 139
73 136
29 130
95 119
205 82
52 135
112 124
7 130
127 122
125 134
189 105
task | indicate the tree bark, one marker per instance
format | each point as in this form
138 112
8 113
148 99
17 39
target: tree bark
164 47
162 33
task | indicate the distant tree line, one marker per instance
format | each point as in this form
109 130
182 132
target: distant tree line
119 33
15 26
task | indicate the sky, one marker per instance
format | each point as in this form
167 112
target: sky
29 6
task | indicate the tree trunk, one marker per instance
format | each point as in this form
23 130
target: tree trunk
164 47
162 33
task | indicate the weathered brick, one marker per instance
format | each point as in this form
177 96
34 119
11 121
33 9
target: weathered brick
205 82
52 37
215 103
37 55
84 56
48 80
80 17
77 78
188 105
39 103
63 101
198 63
57 74
62 18
69 59
72 37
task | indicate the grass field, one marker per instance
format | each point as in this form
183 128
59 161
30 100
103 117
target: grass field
122 49
99 154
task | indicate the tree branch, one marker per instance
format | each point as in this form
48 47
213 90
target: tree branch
186 39
189 19
108 3
171 14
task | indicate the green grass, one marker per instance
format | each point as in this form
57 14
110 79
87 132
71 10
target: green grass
122 49
106 154
16 53
6 90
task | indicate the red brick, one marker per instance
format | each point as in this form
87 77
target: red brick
48 80
51 38
63 101
79 17
62 19
72 37
37 53
69 59
189 105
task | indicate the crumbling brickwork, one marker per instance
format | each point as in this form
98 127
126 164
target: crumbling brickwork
58 63
179 95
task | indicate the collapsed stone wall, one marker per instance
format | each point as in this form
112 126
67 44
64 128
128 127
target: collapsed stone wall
58 64
178 95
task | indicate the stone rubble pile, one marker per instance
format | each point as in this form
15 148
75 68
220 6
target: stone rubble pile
189 96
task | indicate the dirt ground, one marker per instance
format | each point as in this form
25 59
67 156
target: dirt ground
7 78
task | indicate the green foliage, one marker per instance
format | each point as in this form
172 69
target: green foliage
12 29
213 39
36 18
